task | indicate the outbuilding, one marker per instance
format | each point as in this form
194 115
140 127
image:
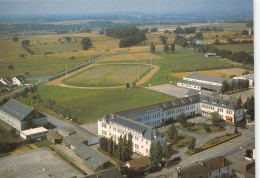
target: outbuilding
33 133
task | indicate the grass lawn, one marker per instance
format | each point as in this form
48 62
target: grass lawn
247 47
183 60
90 105
107 75
199 129
183 141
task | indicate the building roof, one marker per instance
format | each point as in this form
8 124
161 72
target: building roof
34 131
92 158
8 80
195 92
202 85
209 78
218 102
139 162
109 173
2 85
19 110
248 76
66 131
74 139
21 77
204 167
147 132
55 135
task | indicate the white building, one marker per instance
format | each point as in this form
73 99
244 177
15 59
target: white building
19 80
7 82
17 115
112 126
203 82
215 167
249 77
33 133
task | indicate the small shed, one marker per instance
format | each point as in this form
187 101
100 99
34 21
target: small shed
54 137
139 164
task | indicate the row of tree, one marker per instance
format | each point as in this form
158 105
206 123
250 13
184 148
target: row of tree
250 106
234 85
186 30
25 44
123 150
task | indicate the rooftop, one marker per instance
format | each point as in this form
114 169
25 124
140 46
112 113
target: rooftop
55 135
20 77
34 131
209 78
139 162
248 76
110 173
202 85
195 92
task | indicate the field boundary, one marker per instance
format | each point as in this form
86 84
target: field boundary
58 81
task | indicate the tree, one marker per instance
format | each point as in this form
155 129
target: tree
217 120
129 146
152 48
250 105
110 146
224 87
192 144
168 152
156 154
172 131
11 67
86 43
154 30
103 143
166 48
235 131
164 39
120 148
230 40
182 119
146 30
198 36
127 85
216 42
239 102
15 39
101 32
67 38
172 47
22 55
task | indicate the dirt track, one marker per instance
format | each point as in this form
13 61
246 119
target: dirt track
57 82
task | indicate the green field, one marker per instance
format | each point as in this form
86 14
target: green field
247 47
90 105
183 60
107 75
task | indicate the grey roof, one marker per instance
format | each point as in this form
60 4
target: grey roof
92 158
163 106
2 85
195 92
209 78
74 139
147 132
218 102
20 78
110 173
248 76
16 109
202 85
8 80
66 131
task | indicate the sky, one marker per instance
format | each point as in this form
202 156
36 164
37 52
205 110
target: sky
17 7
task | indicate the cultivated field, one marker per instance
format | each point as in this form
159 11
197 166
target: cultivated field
107 75
90 105
207 72
248 47
232 71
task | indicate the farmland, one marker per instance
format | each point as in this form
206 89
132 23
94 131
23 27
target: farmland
106 75
90 105
247 47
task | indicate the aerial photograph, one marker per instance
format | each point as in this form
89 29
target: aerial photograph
127 89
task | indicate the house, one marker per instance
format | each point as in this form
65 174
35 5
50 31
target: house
2 87
109 173
250 77
210 55
140 164
113 126
54 137
7 82
214 167
72 141
19 80
20 116
33 133
203 82
197 42
93 159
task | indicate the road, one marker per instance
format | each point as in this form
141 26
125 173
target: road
225 149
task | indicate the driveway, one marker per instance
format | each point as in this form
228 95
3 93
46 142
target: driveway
93 128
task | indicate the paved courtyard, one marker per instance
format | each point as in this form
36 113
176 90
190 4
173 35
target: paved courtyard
36 163
168 89
93 128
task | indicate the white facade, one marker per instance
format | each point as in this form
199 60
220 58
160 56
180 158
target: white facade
195 87
10 120
202 81
17 82
249 77
33 133
141 145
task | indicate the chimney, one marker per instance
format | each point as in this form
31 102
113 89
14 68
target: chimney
223 162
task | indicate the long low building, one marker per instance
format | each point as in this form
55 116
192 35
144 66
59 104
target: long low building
18 115
203 82
249 77
33 133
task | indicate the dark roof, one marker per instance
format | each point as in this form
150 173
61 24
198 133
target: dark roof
202 85
19 110
92 158
74 139
110 173
20 77
195 92
139 162
2 85
147 132
204 167
55 135
218 102
209 78
8 79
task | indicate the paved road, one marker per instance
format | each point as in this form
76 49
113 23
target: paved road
225 149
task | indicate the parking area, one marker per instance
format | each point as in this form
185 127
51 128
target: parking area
36 163
243 94
168 89
93 128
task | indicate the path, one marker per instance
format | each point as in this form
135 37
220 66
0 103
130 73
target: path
58 81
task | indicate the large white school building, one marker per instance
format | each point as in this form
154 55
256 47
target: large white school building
148 117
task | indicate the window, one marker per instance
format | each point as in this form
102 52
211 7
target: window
146 142
104 125
146 151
